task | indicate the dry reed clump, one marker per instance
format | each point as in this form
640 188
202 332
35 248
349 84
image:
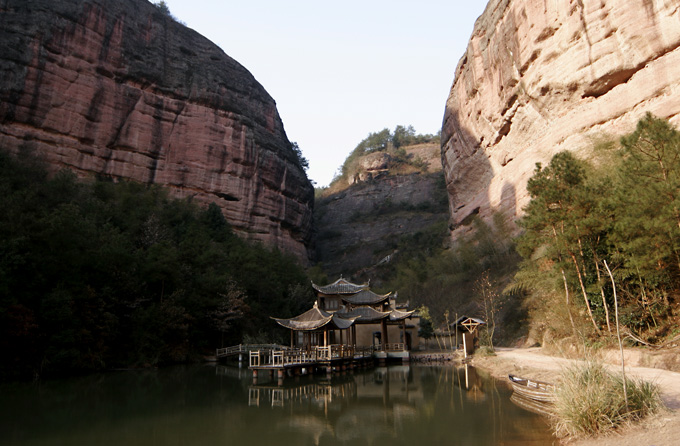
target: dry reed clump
590 400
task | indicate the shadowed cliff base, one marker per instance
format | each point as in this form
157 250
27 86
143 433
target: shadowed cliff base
360 227
468 179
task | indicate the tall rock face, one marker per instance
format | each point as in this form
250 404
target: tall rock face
360 226
119 89
540 77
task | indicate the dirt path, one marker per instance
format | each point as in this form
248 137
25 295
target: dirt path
661 430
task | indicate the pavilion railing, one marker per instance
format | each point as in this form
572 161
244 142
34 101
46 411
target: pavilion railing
393 347
363 352
245 348
292 356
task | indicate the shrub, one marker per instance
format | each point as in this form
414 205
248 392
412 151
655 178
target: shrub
485 350
590 400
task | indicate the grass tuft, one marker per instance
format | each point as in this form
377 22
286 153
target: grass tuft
484 351
590 401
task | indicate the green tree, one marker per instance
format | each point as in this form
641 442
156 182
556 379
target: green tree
552 219
100 274
302 161
164 8
647 201
403 136
426 330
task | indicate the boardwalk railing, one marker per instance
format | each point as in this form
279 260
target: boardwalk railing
394 347
291 357
274 355
363 352
245 348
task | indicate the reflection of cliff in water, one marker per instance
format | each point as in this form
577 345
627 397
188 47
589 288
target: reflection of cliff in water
395 404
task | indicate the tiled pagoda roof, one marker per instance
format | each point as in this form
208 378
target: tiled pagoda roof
366 297
314 319
340 286
397 315
365 314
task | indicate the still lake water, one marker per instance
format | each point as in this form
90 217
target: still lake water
219 405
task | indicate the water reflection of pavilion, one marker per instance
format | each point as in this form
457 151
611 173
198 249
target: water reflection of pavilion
362 406
392 404
384 385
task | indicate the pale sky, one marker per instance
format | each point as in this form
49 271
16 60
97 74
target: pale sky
341 70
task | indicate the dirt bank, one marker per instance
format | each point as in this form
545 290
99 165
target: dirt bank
661 430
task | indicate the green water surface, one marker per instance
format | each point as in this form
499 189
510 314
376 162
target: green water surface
220 405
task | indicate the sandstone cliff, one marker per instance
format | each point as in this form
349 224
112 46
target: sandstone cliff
360 226
539 77
116 88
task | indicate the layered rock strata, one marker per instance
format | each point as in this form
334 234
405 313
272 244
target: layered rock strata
360 227
540 77
119 89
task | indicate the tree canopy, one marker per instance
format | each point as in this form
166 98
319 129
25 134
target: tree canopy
384 140
625 212
99 274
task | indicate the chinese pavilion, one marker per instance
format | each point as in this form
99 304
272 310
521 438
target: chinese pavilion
352 314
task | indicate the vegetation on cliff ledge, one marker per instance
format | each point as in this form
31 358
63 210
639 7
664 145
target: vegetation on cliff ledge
392 143
102 275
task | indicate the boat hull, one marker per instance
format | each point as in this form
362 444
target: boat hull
533 390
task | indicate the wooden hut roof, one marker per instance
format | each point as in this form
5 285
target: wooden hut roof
315 318
366 297
340 286
469 323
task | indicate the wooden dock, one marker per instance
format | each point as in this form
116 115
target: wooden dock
280 361
244 349
292 362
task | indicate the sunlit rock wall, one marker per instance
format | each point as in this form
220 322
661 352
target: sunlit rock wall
543 76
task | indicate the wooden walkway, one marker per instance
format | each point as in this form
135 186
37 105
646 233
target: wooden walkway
296 361
242 349
285 361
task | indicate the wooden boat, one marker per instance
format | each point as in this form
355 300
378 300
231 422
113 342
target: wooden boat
533 390
537 407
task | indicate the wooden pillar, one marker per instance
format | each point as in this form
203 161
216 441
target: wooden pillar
384 341
403 333
292 339
354 335
465 352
